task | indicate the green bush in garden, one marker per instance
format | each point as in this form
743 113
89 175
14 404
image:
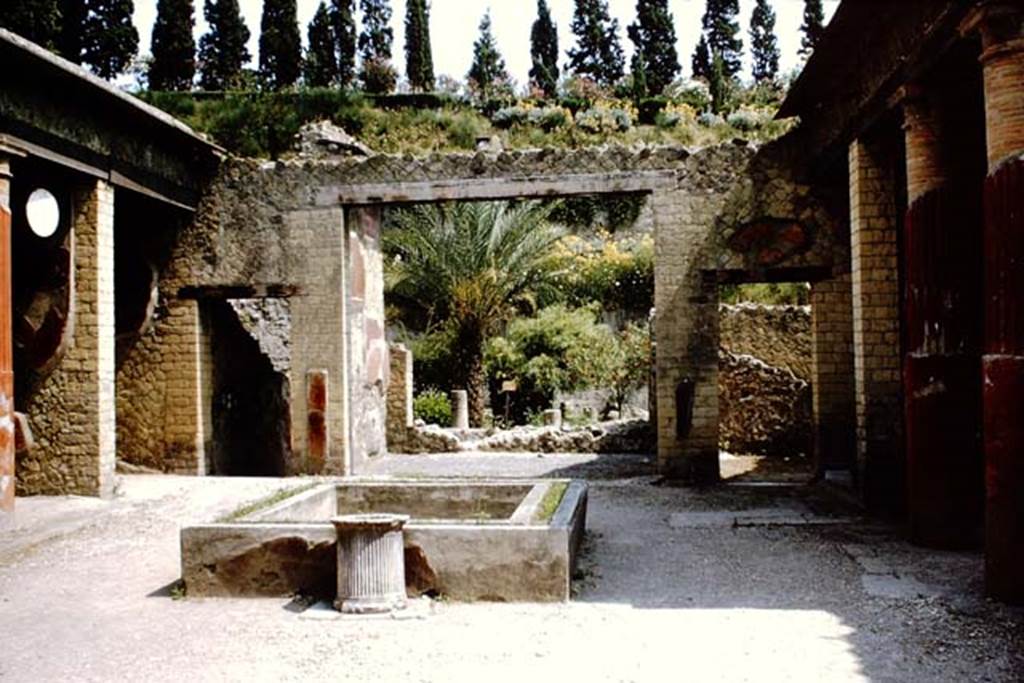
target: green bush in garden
433 407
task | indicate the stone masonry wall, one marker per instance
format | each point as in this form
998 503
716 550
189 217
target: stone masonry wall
764 373
779 336
281 225
71 412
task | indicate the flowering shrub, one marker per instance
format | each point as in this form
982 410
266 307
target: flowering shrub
619 275
607 117
675 114
709 119
526 113
749 118
693 93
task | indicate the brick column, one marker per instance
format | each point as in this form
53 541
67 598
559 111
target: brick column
72 413
1001 25
833 384
6 350
942 364
876 327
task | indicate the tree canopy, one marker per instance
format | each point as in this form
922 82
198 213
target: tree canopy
544 51
419 57
764 46
222 50
36 20
598 52
488 68
813 26
343 19
280 44
471 266
721 26
321 66
654 35
173 47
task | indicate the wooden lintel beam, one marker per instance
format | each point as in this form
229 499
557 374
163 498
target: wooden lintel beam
477 189
239 292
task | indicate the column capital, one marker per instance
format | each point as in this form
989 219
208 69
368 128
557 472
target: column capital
1000 24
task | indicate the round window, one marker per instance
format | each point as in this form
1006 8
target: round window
43 213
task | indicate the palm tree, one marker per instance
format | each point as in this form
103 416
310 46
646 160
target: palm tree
470 267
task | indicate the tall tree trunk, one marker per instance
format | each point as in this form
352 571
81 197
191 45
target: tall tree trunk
471 372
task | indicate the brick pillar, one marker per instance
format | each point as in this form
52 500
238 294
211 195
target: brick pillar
6 350
833 384
876 327
72 412
942 364
1001 25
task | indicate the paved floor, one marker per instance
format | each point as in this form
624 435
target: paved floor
738 584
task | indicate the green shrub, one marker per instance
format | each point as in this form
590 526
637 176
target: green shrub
543 355
433 407
650 109
768 293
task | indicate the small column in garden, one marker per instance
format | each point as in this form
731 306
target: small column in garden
371 563
461 400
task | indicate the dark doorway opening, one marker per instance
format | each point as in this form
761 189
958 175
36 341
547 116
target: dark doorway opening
250 410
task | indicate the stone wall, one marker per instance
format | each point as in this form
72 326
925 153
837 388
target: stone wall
71 410
764 380
780 336
280 228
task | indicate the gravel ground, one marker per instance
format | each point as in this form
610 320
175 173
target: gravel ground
733 583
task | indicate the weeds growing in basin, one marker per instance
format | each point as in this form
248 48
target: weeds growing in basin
550 502
273 499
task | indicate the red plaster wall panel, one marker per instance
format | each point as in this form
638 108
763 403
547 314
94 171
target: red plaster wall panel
6 368
316 434
942 368
1004 383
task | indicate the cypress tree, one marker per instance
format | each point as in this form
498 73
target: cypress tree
701 63
36 20
488 65
654 35
174 49
721 28
375 41
718 84
813 26
764 46
377 36
598 52
419 58
638 67
321 58
544 51
70 42
110 39
343 19
222 51
280 44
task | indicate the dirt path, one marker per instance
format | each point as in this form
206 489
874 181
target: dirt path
737 584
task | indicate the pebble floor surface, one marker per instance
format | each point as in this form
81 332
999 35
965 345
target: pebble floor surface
730 584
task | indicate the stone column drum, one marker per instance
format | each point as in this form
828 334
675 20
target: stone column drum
371 563
460 399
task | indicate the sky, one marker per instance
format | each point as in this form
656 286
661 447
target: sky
454 25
